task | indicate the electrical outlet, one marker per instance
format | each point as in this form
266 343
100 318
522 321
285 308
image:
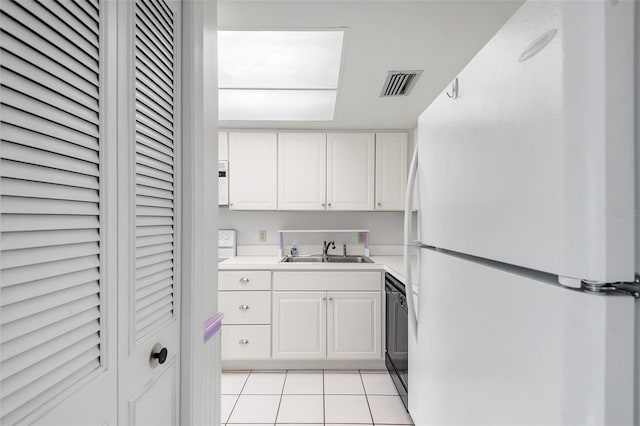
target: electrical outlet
262 236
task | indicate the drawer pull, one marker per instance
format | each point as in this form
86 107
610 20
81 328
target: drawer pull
244 280
243 307
243 341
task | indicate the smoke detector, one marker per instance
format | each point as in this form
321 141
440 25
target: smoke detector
399 83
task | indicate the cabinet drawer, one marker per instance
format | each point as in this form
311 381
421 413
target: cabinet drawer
328 281
245 307
244 280
246 342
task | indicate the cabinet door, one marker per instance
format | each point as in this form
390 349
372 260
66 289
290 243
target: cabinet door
391 170
302 171
299 325
354 325
253 168
350 171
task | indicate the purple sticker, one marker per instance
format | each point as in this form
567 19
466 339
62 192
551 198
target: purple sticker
212 325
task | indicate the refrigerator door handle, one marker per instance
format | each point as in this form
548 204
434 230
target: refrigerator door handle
408 209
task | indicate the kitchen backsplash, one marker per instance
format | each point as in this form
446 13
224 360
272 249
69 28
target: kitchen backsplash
385 227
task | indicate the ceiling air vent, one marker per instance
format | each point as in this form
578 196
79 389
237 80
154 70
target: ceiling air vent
399 83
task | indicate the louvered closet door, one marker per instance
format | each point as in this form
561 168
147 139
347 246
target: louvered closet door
151 153
57 312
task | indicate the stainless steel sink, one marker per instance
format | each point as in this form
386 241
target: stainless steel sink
302 259
349 259
326 259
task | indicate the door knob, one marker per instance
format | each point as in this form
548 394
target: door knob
244 280
160 355
243 341
243 307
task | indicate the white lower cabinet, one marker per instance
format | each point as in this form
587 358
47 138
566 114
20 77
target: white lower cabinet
245 307
245 342
245 300
301 315
327 325
299 325
354 325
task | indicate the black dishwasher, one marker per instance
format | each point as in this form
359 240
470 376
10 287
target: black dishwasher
397 331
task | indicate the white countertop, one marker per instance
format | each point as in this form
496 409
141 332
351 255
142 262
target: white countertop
248 262
392 264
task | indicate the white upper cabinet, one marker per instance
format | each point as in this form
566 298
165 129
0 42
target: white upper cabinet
223 146
350 171
302 171
391 170
315 171
253 168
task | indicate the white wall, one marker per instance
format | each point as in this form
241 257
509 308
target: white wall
386 227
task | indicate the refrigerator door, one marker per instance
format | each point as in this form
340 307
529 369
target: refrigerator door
532 163
501 348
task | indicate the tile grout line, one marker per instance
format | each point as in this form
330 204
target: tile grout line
238 398
324 406
284 383
366 396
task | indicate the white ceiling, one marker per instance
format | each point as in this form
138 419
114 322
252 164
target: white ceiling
439 37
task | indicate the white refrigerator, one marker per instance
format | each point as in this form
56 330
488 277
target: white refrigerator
526 179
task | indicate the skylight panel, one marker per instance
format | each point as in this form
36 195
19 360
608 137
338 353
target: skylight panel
276 105
292 75
279 59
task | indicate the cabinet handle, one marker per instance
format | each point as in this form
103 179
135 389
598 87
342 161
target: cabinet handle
331 299
322 204
379 204
243 307
324 299
244 280
329 204
243 341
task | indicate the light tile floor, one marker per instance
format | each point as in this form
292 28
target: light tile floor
295 397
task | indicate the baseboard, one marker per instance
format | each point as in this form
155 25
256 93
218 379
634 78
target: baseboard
323 364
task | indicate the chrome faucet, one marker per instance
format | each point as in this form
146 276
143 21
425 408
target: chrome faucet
326 245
